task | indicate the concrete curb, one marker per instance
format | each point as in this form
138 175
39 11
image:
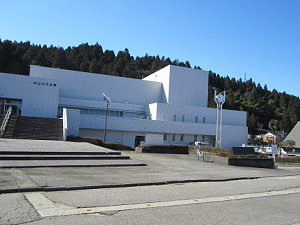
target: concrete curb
73 188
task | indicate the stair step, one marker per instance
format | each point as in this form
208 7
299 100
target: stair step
60 157
68 163
66 153
34 128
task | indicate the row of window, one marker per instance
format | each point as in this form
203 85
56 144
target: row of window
181 137
196 119
110 112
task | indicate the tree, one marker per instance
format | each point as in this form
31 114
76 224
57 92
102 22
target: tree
273 125
288 144
94 66
60 59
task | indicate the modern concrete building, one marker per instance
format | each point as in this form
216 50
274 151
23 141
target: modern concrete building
169 106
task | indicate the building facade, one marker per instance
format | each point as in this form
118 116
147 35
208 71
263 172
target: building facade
169 106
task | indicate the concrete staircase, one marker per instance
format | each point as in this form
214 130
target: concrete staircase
22 153
36 128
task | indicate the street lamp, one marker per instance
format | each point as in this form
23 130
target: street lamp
107 99
220 100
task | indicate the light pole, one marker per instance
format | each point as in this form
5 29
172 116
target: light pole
220 100
107 99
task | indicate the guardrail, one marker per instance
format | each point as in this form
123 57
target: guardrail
5 121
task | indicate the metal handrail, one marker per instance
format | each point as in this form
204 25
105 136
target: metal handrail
5 121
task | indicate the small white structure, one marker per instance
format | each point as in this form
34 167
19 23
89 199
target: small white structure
170 103
154 139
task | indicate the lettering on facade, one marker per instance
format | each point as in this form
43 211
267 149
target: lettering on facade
44 84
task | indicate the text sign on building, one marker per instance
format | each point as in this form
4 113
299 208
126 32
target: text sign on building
44 83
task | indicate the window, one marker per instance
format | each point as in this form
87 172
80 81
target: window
204 119
182 118
196 119
165 137
174 118
195 137
173 137
181 137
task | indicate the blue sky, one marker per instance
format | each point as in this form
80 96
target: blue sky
229 37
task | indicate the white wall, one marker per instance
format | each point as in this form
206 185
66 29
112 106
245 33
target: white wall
235 135
71 121
166 112
188 86
182 86
154 139
39 99
90 86
162 76
101 104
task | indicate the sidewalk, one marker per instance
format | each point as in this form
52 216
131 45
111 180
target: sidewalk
161 169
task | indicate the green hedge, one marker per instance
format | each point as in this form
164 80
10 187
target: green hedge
99 142
288 159
223 152
169 149
185 147
218 151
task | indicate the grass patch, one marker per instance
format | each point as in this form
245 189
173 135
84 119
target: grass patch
99 142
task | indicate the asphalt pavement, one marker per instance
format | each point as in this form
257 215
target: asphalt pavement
161 169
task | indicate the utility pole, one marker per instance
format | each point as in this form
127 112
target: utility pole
107 99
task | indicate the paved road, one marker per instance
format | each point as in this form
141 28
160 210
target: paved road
203 194
273 200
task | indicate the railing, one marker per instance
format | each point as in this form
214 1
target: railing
5 121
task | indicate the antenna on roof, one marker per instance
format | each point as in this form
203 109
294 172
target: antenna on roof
245 78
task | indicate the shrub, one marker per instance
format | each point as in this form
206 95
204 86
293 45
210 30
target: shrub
164 147
288 159
256 156
170 149
99 142
224 152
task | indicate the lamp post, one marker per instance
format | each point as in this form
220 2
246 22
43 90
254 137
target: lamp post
107 99
220 100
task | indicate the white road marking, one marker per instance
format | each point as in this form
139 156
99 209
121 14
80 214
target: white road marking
47 208
286 178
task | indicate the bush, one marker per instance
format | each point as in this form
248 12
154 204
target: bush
99 142
223 152
256 156
288 159
170 149
164 147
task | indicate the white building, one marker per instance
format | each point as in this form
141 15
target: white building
169 106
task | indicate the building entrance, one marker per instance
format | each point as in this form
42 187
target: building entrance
138 140
16 105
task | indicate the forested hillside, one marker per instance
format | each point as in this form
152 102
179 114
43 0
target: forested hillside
266 109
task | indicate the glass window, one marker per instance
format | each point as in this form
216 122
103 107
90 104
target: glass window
204 119
84 111
196 119
195 137
182 118
173 137
174 119
181 137
165 137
